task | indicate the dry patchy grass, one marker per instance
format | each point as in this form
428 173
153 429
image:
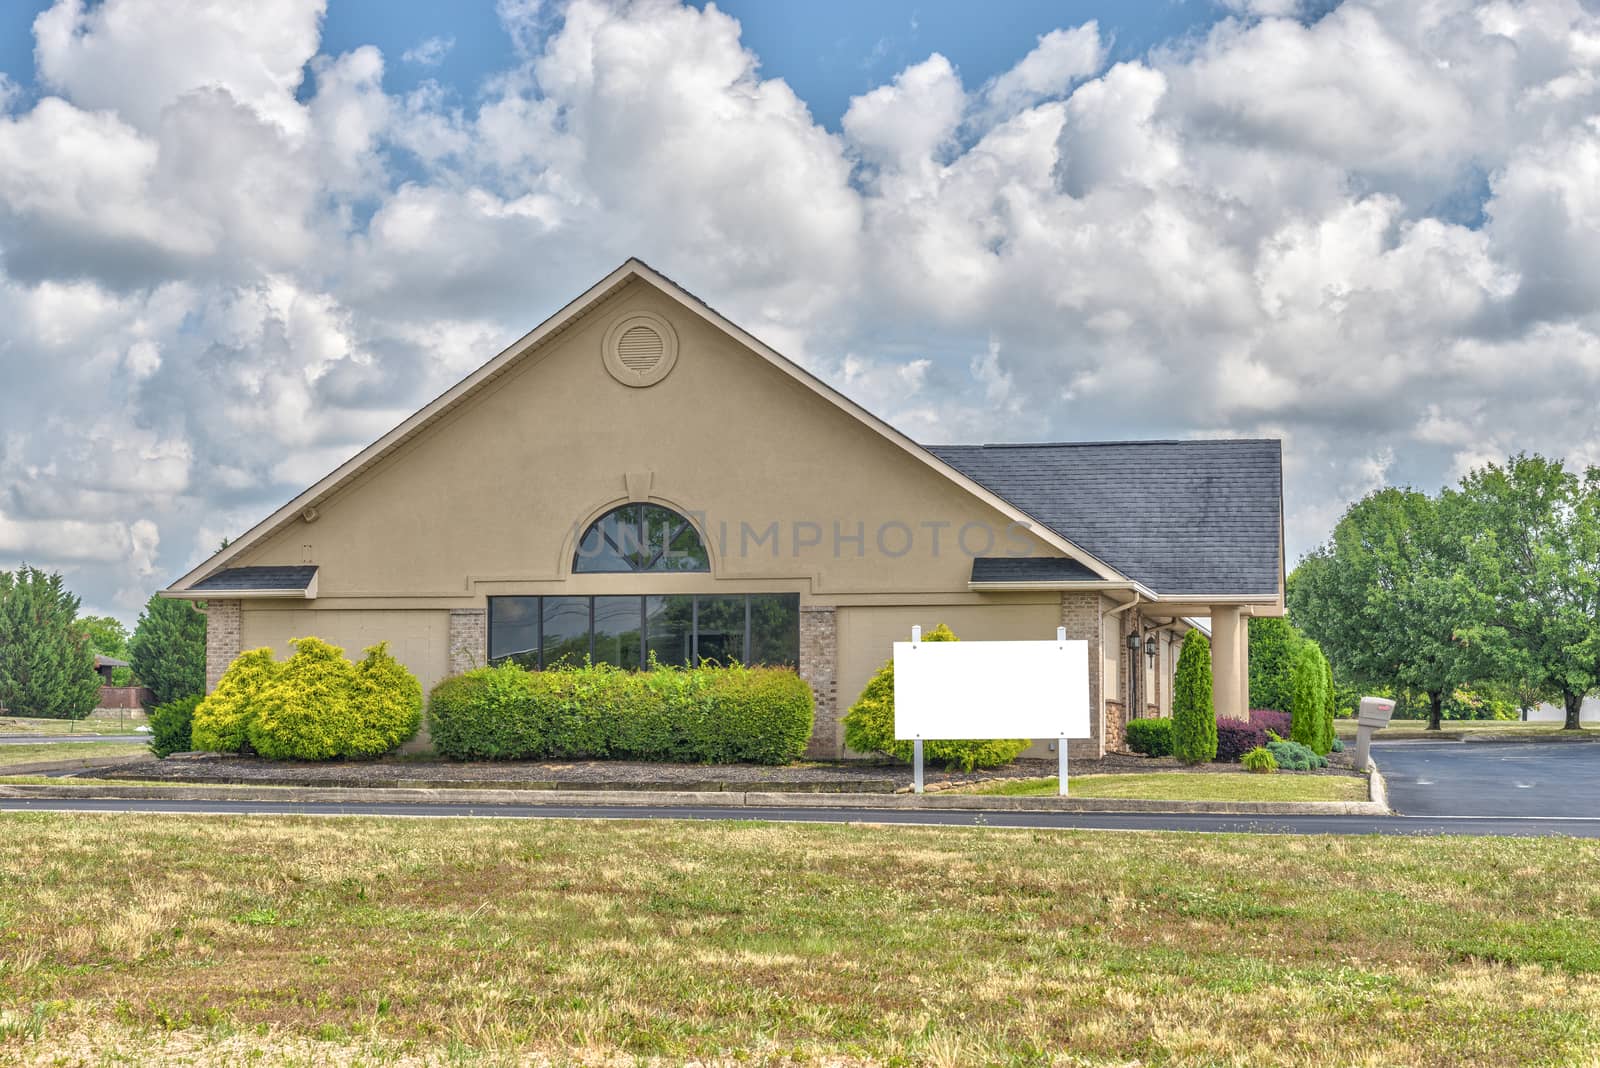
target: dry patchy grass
391 942
27 753
100 721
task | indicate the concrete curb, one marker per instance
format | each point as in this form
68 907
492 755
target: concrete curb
1563 738
729 799
1378 787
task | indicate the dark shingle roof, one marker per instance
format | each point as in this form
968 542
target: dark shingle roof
1181 517
1030 569
234 579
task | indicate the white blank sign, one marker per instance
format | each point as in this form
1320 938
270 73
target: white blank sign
954 690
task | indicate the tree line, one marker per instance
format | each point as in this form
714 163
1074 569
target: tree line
1492 583
47 650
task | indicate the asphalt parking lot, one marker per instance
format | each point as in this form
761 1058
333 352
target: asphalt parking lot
1528 780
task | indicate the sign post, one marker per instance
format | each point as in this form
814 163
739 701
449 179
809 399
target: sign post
969 690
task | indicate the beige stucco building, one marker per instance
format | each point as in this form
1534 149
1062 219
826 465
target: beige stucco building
639 477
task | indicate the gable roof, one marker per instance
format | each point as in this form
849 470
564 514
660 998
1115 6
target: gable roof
633 269
1200 518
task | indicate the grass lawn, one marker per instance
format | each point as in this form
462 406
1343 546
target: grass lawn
26 753
100 721
222 940
1192 786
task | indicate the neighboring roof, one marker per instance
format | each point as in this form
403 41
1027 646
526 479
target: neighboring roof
108 662
1005 569
1181 517
464 390
257 580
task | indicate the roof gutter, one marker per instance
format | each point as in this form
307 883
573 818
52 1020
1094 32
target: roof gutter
1023 585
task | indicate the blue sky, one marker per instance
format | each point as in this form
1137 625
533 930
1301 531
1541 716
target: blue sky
827 50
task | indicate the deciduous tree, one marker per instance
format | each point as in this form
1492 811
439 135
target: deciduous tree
1385 597
1532 533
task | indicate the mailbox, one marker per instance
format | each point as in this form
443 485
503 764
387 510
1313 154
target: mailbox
1372 716
1375 712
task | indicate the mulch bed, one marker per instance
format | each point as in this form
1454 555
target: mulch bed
850 776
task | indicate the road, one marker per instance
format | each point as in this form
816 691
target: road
50 739
1547 780
1436 788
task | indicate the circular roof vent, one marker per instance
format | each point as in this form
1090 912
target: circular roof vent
640 349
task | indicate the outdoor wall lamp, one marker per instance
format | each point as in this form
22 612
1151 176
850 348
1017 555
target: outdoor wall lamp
1150 649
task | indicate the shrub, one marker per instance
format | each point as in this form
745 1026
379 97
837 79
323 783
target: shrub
1270 720
314 706
1330 707
1235 738
1294 756
486 714
705 714
307 712
170 726
1259 760
869 726
388 704
1336 747
1194 719
1308 713
222 720
1152 737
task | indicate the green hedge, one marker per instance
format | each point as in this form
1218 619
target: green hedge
1152 737
869 726
314 706
712 715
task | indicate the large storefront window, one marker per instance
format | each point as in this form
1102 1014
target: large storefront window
677 629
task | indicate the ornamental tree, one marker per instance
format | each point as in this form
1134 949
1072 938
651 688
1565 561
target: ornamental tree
46 662
1194 717
1309 722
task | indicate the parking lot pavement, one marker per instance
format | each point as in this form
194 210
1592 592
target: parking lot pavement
1525 780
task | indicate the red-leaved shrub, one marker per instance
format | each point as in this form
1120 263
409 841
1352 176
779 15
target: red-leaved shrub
1235 738
1271 720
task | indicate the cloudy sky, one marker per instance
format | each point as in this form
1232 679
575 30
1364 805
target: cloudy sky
239 241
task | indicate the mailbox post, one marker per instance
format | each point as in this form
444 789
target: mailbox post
1373 716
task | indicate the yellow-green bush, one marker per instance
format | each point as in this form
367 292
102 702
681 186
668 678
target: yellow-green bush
705 714
309 711
314 706
869 726
222 720
388 701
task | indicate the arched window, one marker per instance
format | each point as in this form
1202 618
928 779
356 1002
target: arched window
640 537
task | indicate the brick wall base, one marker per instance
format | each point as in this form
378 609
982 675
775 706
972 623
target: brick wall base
1081 615
223 620
468 637
819 658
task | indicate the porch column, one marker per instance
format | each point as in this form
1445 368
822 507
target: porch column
1228 638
